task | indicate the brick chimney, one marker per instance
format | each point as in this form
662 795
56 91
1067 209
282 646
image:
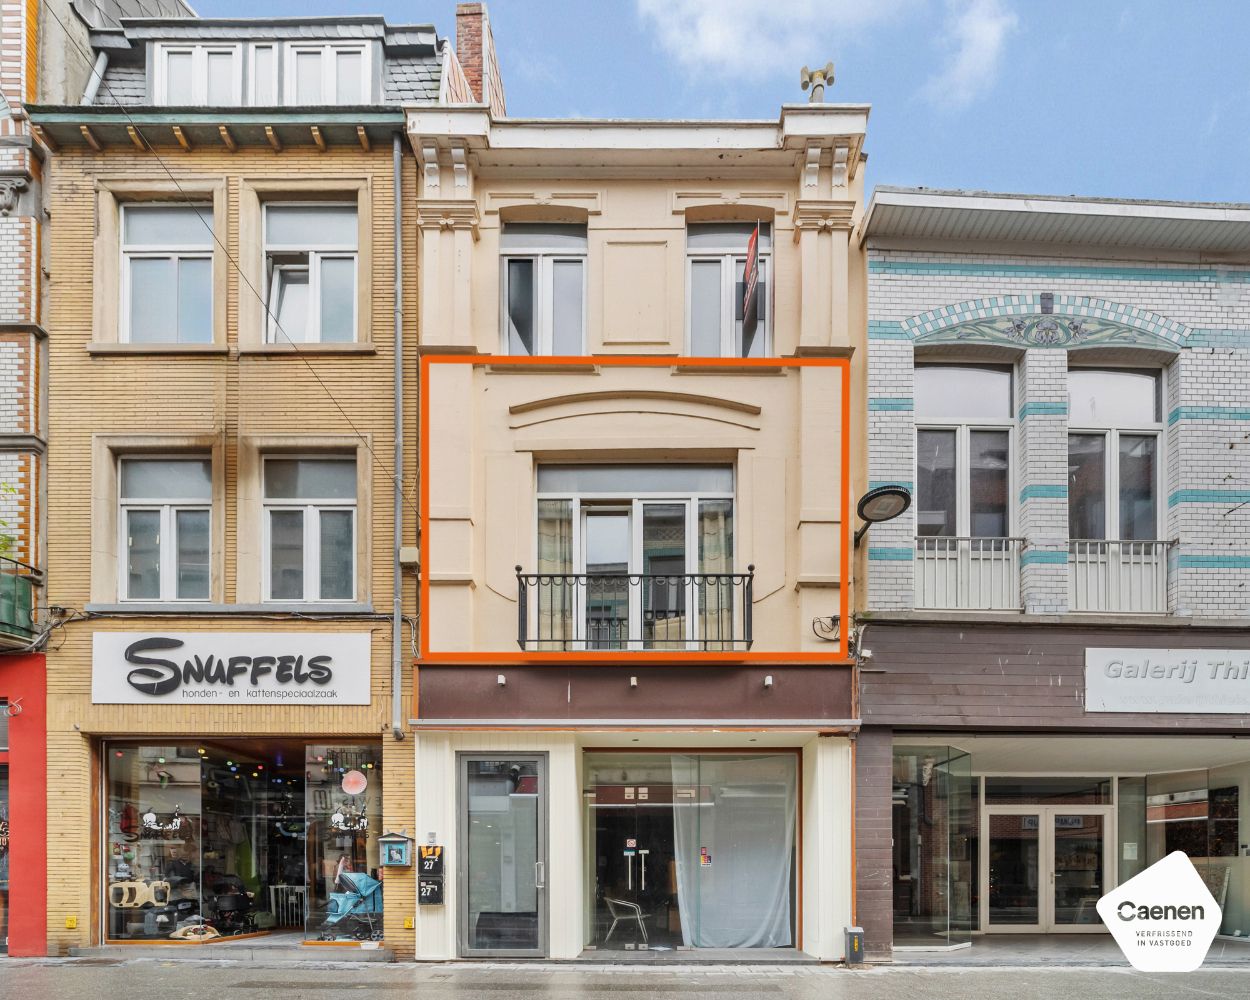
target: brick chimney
475 50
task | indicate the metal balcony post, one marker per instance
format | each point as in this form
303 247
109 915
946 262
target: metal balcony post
749 598
522 610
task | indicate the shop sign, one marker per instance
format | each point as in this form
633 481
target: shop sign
257 668
1197 681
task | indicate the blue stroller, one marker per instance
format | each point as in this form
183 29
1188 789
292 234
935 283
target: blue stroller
356 911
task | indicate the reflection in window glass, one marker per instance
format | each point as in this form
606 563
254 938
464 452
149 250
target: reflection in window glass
310 478
957 392
308 77
348 77
338 299
1138 512
263 76
195 300
337 555
286 555
705 308
220 67
1100 398
521 306
178 79
987 486
1087 486
143 554
567 307
153 299
935 483
290 309
191 527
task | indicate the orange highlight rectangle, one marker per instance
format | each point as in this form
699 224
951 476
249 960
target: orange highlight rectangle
426 656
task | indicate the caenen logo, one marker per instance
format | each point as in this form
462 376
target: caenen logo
1128 910
1155 933
155 676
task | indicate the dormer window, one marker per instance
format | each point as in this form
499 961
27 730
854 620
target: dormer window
261 74
193 75
326 74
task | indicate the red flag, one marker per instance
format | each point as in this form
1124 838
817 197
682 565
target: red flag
751 275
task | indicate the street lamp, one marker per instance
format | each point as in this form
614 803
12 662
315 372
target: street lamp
881 504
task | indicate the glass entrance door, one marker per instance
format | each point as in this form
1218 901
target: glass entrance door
503 855
1045 868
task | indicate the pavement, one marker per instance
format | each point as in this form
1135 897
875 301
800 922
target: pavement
154 979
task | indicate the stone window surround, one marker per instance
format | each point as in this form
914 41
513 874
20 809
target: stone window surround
106 453
107 449
253 193
250 516
107 269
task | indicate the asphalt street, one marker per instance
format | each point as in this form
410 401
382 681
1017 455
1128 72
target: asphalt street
150 979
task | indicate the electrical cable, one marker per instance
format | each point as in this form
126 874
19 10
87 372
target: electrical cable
234 264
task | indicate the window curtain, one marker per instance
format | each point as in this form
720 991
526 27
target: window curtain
557 599
733 835
716 596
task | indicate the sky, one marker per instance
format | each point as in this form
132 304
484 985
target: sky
1107 98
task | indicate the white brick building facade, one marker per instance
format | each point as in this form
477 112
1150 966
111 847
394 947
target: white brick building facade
1191 321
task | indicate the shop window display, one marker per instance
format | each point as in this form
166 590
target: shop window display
219 840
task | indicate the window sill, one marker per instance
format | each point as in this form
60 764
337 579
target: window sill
99 347
212 608
356 348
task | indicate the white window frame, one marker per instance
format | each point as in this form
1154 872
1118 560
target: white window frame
199 71
312 510
544 260
172 251
1111 466
329 70
582 501
963 449
168 508
729 258
317 254
253 76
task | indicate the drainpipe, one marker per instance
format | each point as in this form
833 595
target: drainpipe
397 574
96 77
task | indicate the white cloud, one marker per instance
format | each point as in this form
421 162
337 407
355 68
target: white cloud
975 35
754 39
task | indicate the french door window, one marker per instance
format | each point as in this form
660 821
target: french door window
310 529
1117 560
310 257
716 258
636 557
964 424
199 75
544 293
165 516
167 274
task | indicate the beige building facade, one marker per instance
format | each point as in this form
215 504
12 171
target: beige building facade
634 710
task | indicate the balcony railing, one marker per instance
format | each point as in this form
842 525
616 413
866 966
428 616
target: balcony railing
708 612
960 573
1118 576
17 602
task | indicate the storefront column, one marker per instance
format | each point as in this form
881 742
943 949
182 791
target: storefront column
826 810
22 685
874 835
399 892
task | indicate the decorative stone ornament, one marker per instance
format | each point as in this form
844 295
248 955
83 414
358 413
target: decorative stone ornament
10 188
1164 919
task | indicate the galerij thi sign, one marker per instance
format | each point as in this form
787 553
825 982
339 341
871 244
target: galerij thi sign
1196 681
241 668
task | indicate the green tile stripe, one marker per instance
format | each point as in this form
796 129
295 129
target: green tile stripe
1034 557
890 554
1040 408
1044 491
1208 496
1208 413
878 266
885 403
880 329
1213 562
1203 337
905 483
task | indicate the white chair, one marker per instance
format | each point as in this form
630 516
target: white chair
623 911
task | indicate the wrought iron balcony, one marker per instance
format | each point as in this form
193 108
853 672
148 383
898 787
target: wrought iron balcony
1118 576
709 612
17 602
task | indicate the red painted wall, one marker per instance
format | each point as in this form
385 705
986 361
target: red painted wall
24 677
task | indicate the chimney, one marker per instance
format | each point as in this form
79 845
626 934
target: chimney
475 51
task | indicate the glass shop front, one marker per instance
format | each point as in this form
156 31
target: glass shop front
217 839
